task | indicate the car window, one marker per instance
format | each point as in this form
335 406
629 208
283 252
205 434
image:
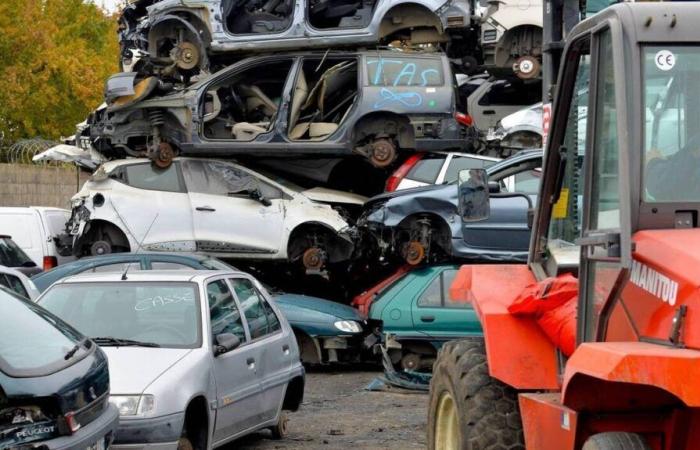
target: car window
13 256
261 319
431 296
165 265
459 162
437 294
512 93
32 341
13 283
396 71
223 311
426 170
528 182
56 221
148 176
116 267
218 178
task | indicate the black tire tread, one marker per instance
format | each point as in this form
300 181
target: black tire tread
616 440
488 410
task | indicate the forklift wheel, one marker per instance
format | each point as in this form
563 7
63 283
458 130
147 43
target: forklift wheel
468 409
616 441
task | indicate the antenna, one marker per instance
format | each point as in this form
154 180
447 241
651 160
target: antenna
140 244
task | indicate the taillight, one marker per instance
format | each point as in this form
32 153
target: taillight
395 179
464 119
50 262
72 422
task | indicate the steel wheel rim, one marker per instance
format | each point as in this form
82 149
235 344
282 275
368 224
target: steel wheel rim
446 424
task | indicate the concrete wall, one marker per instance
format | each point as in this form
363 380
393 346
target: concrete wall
35 185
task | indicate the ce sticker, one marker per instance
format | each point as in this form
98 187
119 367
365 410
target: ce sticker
665 60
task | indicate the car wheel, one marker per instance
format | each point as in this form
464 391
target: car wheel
280 430
100 248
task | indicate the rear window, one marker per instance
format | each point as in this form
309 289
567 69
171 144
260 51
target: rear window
32 341
56 221
13 256
427 169
404 71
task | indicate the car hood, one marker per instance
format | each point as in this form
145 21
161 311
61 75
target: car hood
321 194
531 116
133 369
408 193
300 304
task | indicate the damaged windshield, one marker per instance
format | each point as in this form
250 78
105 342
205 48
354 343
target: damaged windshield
672 124
129 313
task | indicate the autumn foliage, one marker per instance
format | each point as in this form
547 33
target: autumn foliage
54 58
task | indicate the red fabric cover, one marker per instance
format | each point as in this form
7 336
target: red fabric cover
553 303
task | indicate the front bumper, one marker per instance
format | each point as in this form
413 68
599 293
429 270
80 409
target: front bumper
157 433
101 429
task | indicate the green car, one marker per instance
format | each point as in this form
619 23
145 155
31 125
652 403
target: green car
418 317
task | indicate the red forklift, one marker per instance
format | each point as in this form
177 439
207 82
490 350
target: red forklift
618 214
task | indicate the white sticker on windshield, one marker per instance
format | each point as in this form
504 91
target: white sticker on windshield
665 60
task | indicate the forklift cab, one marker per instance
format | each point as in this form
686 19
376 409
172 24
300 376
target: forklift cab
619 205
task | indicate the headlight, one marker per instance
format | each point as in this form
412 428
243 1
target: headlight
348 326
133 405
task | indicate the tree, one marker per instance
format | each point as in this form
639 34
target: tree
55 56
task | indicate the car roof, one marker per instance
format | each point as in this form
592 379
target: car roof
149 275
151 255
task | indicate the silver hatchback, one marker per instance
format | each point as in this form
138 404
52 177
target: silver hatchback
196 358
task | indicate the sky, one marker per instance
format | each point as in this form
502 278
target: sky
109 5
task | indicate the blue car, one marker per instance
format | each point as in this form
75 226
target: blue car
326 331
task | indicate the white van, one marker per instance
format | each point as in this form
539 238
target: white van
33 229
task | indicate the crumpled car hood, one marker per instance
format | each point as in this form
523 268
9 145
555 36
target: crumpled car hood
325 195
70 153
133 369
299 303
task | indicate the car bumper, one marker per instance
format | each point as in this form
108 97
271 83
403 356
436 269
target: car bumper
101 429
158 433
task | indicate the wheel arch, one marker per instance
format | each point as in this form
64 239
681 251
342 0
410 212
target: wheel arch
195 27
197 421
117 235
342 249
377 123
444 228
309 348
294 394
413 14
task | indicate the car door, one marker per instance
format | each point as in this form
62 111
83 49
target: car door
238 393
227 218
166 223
435 315
273 344
507 226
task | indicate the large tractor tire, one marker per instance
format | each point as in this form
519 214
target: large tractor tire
616 441
468 409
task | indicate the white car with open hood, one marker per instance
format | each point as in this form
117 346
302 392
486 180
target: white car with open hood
211 206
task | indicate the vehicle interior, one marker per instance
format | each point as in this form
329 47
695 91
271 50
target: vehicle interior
258 16
340 13
324 92
246 104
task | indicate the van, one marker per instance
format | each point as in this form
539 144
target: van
35 230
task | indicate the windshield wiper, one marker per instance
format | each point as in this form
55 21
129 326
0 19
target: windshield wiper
75 349
118 342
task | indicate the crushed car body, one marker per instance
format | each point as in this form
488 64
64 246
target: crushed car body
182 37
372 103
209 206
424 223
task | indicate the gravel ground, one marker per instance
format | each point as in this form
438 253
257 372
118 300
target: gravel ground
338 413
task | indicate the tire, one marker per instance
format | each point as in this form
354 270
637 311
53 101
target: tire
616 441
468 409
184 444
280 430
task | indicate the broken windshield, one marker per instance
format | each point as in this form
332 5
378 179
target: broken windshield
671 124
162 314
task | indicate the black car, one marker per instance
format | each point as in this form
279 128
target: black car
11 255
54 382
424 224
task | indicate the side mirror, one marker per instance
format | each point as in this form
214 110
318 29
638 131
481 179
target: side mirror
494 187
225 342
473 195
